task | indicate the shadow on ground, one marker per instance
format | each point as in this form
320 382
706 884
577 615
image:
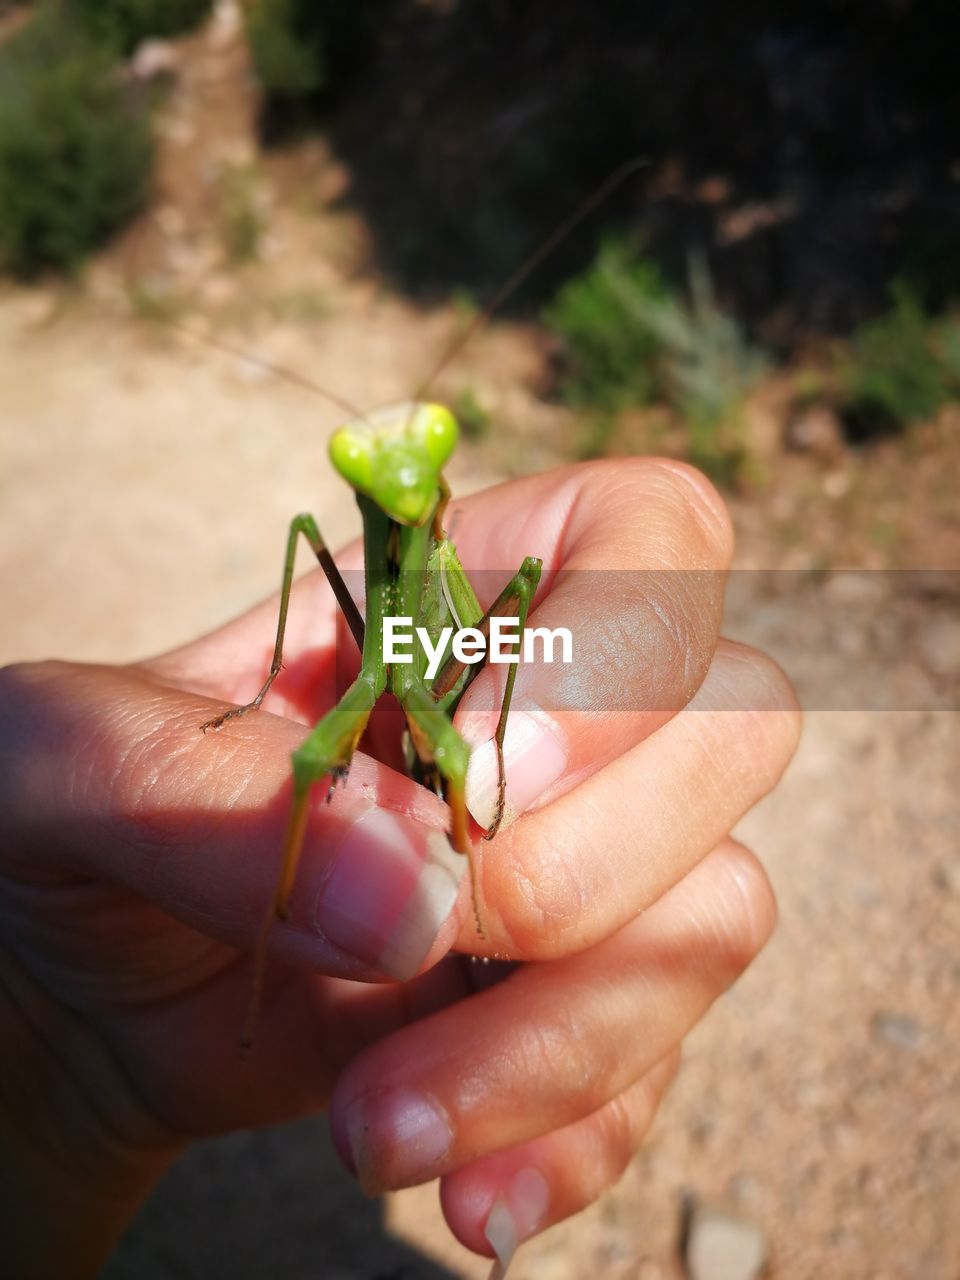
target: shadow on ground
276 1203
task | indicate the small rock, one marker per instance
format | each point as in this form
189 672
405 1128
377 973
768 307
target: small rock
720 1247
154 60
815 429
939 643
896 1029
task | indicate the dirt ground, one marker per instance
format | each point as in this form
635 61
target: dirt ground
145 486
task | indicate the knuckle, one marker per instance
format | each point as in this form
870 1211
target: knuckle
540 895
157 761
560 1049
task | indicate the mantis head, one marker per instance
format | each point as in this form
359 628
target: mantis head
395 457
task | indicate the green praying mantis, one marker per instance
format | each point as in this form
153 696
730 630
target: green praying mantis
393 459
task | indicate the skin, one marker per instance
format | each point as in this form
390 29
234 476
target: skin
137 854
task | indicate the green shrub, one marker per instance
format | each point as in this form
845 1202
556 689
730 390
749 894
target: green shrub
894 374
75 156
610 357
301 47
707 368
124 23
630 339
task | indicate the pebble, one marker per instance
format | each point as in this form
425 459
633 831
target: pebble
897 1029
720 1247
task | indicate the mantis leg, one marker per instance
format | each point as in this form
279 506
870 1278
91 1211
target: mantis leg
306 525
438 742
328 750
519 593
514 600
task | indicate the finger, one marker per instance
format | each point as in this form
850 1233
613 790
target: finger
575 871
495 1203
105 774
643 546
554 1042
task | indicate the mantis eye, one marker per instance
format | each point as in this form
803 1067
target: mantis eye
435 428
352 455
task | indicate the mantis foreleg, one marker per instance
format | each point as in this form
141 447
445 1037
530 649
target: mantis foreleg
306 525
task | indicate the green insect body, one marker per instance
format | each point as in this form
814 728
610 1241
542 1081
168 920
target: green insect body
393 459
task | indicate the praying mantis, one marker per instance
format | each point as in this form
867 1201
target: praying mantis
393 459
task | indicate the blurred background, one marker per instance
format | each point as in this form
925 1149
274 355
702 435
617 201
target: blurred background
775 295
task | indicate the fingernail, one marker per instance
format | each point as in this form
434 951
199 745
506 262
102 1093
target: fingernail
516 1216
534 757
397 1134
392 885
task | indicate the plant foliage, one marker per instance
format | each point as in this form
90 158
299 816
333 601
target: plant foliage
895 373
125 23
630 339
610 357
75 155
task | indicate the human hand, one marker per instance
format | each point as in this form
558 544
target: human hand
137 856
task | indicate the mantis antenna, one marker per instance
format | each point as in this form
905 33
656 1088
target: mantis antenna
270 366
543 250
513 281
